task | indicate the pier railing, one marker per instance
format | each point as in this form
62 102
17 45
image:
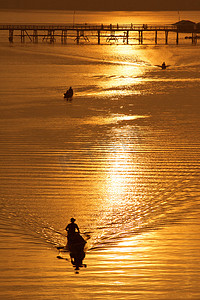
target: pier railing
85 26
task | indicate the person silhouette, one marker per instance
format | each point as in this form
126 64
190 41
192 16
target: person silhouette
72 229
69 93
75 245
164 66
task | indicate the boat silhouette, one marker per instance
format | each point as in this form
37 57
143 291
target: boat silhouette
69 94
163 66
76 248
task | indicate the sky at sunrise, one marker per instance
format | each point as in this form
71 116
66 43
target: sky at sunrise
103 5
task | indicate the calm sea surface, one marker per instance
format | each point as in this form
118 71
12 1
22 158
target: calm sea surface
122 158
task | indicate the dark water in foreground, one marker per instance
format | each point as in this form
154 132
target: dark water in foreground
122 158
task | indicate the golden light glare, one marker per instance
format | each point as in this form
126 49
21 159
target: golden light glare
113 119
125 76
124 70
120 169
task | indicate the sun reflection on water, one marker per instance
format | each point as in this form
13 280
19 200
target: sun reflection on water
125 69
120 184
121 167
113 119
124 79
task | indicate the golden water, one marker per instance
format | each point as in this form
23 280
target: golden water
122 158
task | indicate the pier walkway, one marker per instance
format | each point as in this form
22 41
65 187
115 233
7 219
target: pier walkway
97 33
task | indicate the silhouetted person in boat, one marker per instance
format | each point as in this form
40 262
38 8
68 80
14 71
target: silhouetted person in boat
75 244
71 229
163 66
69 93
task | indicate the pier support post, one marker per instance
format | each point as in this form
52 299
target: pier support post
22 36
99 35
127 36
194 38
64 37
166 37
177 38
140 37
77 37
156 37
10 38
52 39
50 35
35 36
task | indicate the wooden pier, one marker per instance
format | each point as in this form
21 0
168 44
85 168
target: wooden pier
99 33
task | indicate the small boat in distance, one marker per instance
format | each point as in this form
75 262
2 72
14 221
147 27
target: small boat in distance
163 66
69 94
